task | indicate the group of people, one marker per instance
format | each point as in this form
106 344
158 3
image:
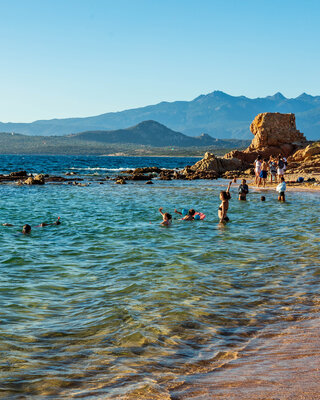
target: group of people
225 196
275 167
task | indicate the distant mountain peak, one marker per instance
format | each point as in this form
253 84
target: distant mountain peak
277 96
149 122
304 95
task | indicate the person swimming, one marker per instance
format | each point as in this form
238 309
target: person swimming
224 206
167 218
26 229
57 222
189 216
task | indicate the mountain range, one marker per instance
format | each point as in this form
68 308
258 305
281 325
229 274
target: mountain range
216 114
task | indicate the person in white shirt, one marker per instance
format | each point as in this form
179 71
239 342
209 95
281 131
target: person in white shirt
257 168
281 188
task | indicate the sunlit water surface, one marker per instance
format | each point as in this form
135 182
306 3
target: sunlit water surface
112 304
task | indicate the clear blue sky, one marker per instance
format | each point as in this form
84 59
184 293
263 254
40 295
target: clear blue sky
79 58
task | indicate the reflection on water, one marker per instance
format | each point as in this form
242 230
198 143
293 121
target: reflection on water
111 304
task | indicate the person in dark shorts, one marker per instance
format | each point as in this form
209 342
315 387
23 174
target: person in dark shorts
264 173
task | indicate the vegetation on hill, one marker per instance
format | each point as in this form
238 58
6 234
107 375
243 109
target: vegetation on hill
23 144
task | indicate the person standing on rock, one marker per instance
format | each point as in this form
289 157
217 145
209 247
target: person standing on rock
223 208
264 173
257 168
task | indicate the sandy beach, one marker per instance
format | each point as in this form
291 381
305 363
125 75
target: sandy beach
281 363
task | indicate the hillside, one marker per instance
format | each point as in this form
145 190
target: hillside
149 133
217 114
95 143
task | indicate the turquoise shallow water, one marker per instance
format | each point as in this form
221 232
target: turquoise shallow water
112 304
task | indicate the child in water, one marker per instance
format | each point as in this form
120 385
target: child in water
223 209
189 216
281 188
167 218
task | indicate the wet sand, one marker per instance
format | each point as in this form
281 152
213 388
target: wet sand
282 363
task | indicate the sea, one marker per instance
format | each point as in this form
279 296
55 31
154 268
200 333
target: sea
112 305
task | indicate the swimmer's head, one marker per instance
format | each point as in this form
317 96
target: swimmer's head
167 217
26 229
262 198
191 212
224 195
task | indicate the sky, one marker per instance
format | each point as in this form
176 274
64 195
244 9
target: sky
62 59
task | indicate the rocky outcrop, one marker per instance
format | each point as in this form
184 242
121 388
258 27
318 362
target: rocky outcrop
305 161
37 180
274 134
211 167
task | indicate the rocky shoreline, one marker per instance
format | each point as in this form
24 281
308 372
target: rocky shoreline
274 134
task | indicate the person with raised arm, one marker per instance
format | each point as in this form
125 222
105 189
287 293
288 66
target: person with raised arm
224 206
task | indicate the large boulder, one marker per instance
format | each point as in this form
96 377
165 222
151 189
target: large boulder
274 134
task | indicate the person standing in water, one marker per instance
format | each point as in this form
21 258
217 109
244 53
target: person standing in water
243 190
281 188
224 206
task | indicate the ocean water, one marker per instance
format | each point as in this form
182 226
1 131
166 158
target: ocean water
111 305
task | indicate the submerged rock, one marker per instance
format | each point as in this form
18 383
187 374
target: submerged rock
120 181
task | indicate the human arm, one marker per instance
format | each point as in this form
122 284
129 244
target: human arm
177 212
6 224
43 224
228 188
160 210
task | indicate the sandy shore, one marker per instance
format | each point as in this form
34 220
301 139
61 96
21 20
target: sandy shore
291 181
282 363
